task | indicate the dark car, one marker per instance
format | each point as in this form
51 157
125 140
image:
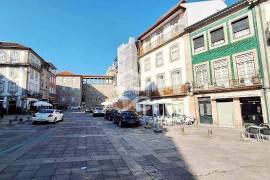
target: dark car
107 115
124 118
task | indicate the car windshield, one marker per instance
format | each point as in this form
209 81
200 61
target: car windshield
46 111
99 108
128 113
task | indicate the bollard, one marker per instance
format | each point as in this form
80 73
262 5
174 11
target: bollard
21 120
182 129
16 118
10 122
243 137
28 118
210 133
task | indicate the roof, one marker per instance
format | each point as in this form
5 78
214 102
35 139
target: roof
96 76
216 15
12 45
163 18
66 73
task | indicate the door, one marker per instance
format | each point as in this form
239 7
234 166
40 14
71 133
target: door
225 113
205 110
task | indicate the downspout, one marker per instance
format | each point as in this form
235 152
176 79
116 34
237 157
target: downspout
261 69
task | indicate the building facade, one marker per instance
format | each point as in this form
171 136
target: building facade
68 89
52 83
229 76
163 58
20 68
97 89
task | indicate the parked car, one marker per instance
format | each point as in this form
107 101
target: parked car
88 110
126 118
75 107
48 115
98 111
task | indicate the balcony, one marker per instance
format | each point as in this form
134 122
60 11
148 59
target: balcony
161 40
254 82
166 92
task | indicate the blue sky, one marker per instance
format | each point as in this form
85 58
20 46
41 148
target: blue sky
81 36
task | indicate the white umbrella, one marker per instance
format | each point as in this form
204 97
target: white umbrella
42 103
106 103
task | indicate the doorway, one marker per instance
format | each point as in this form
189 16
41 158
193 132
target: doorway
205 110
251 110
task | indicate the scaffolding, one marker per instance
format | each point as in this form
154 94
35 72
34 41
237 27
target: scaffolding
128 76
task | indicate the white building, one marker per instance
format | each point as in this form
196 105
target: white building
164 57
19 76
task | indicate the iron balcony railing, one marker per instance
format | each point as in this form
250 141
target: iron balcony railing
167 91
228 84
161 40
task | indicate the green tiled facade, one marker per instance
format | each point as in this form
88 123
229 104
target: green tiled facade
231 47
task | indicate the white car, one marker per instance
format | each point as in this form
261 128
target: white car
98 111
47 115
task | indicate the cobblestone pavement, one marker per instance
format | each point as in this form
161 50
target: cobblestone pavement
83 147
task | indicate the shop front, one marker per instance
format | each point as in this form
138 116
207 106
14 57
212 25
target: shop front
231 109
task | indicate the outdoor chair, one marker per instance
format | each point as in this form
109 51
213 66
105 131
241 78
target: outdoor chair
265 131
253 131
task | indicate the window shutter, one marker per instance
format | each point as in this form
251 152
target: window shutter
240 25
217 35
198 42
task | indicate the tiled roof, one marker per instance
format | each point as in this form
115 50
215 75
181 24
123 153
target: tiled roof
163 18
12 45
65 73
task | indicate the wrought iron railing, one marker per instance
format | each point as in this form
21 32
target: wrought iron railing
161 40
228 83
167 91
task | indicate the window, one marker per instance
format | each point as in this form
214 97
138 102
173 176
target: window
3 56
217 36
31 74
176 79
12 87
174 26
160 36
15 56
148 84
245 67
161 81
159 59
2 86
13 72
221 73
147 65
36 75
174 53
240 27
201 75
198 43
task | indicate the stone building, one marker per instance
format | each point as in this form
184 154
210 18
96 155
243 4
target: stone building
97 89
230 72
20 68
68 89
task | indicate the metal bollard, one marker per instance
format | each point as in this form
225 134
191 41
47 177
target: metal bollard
10 122
210 133
16 118
21 120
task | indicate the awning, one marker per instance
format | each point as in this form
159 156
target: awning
106 103
145 102
42 103
165 101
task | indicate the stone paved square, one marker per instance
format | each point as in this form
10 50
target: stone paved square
93 148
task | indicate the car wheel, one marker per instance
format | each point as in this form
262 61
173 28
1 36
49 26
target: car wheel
55 119
120 124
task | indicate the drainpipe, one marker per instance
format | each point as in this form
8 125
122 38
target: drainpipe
257 35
